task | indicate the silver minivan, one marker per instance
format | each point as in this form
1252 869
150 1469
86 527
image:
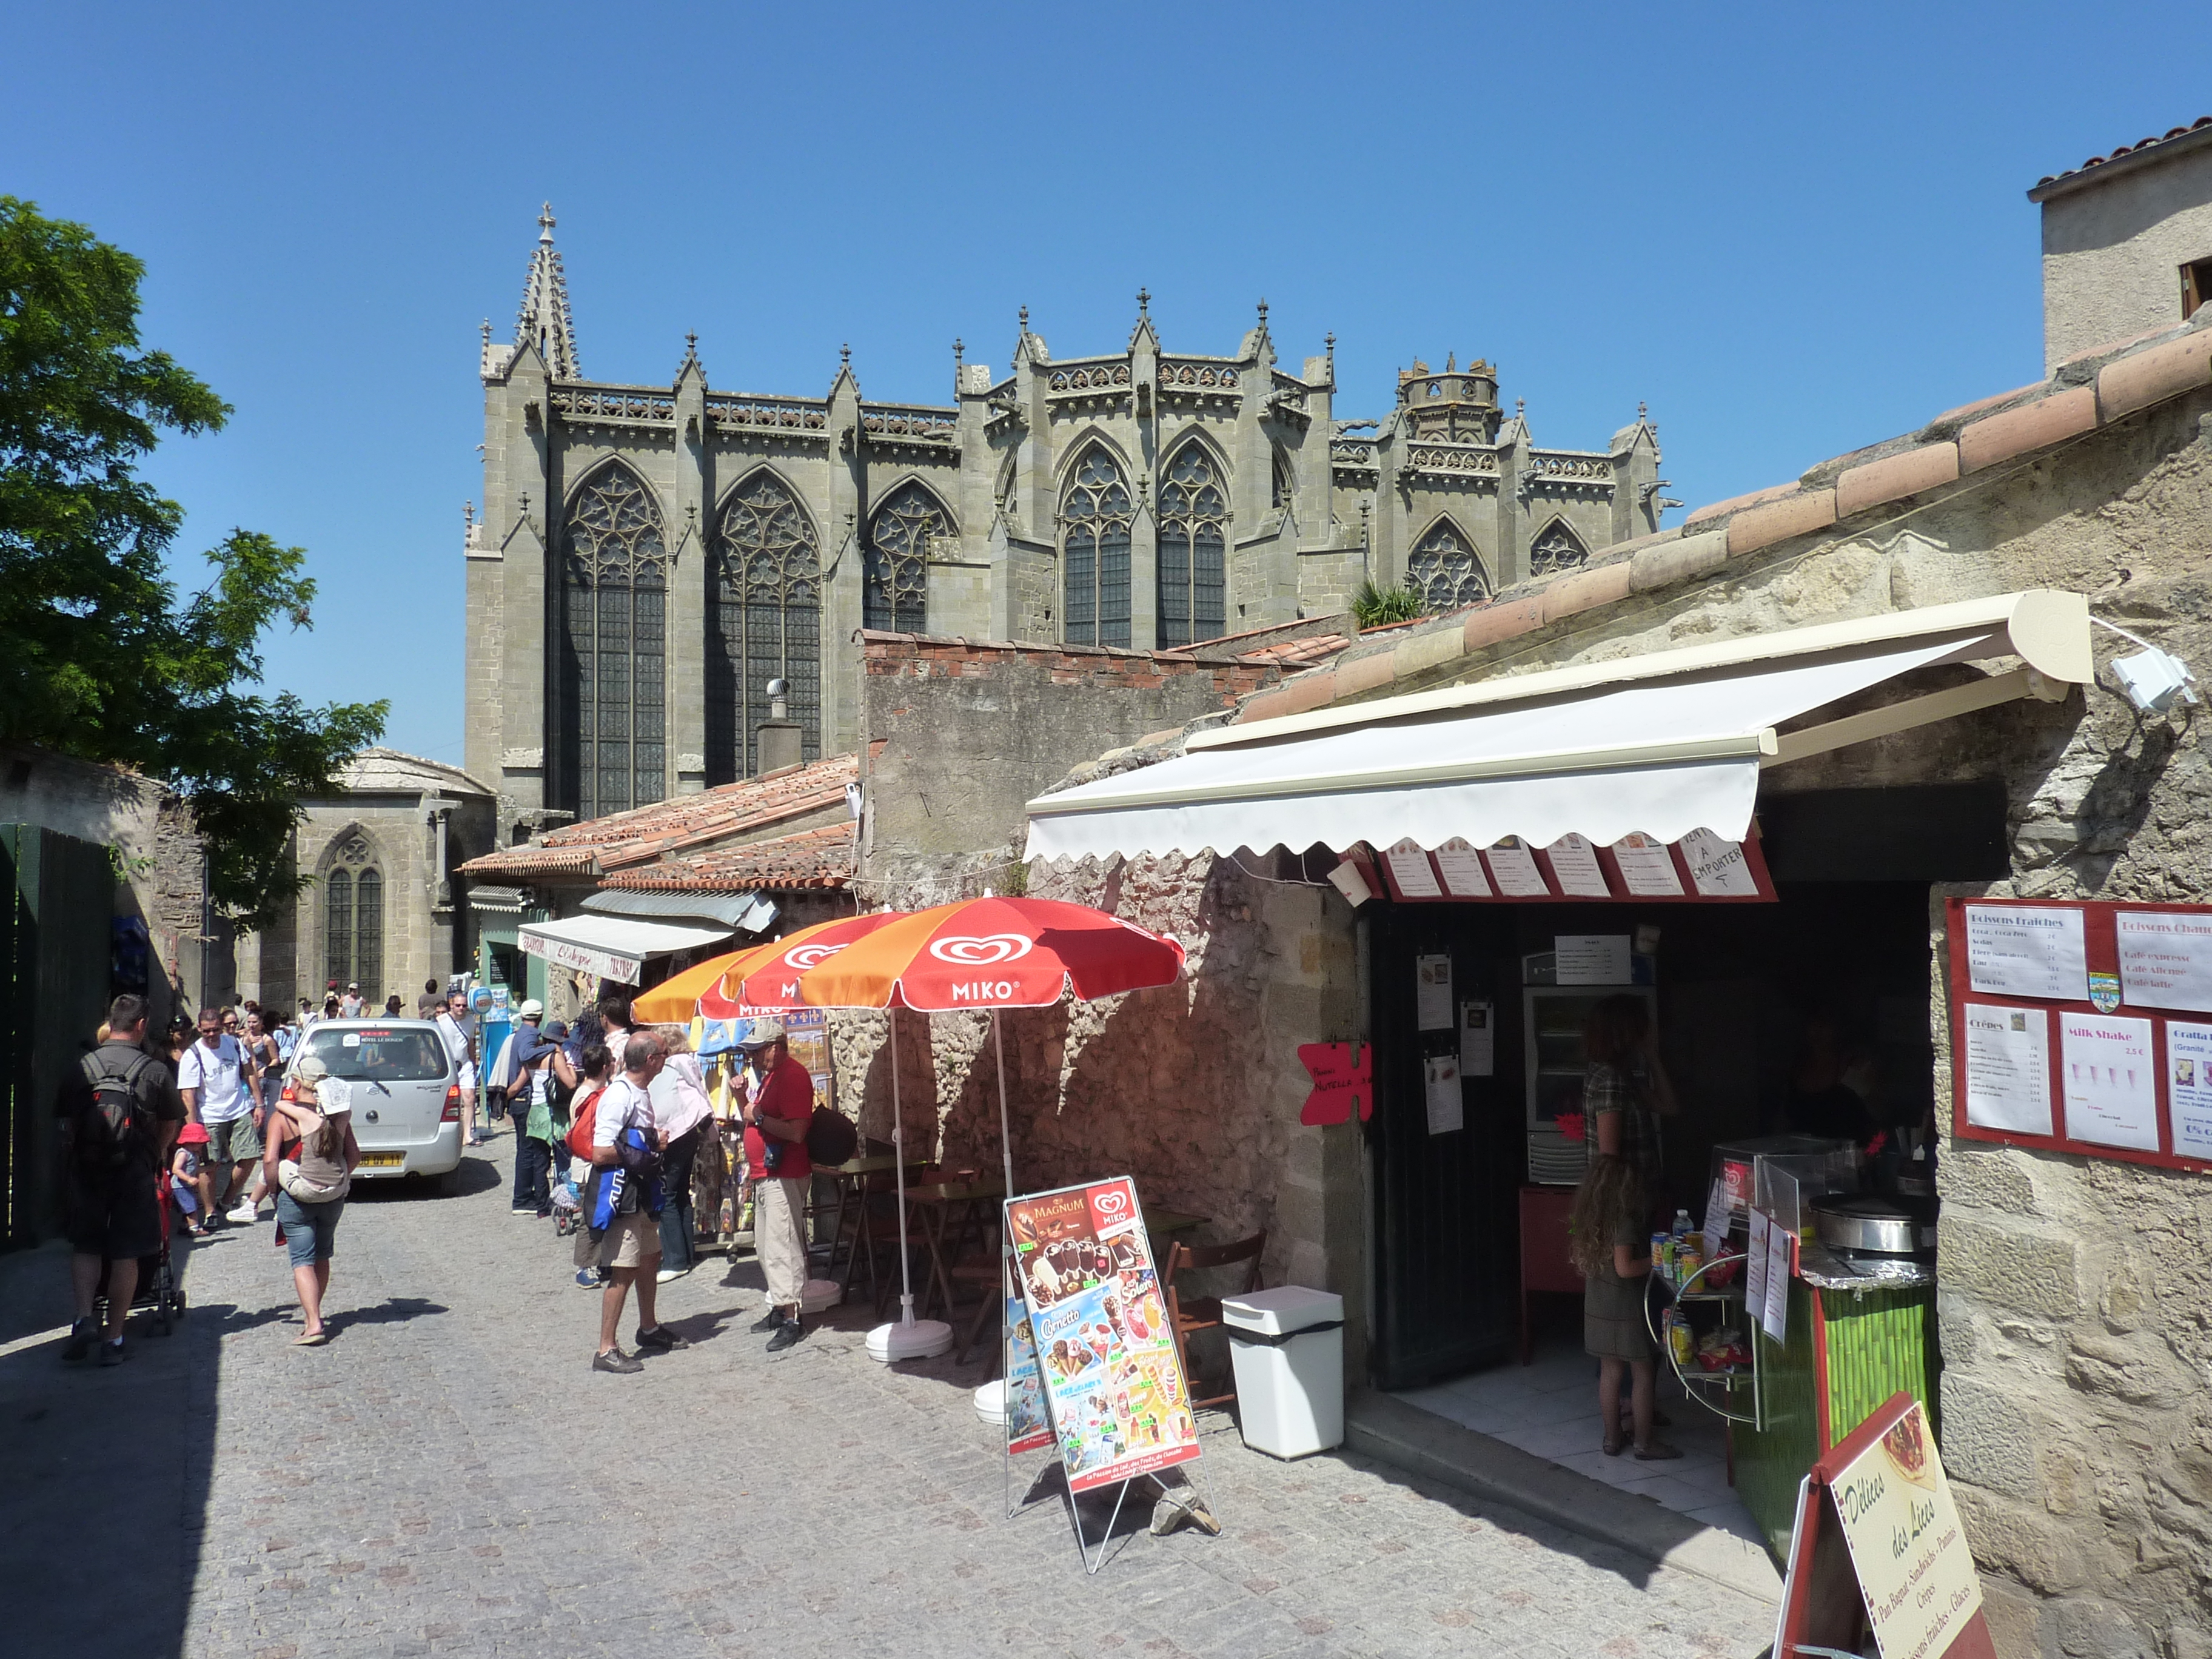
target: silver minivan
403 1090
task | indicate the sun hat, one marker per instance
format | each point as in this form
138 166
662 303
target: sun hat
532 1009
557 1029
192 1135
763 1033
309 1068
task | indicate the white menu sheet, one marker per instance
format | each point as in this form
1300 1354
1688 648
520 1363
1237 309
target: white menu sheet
1774 1319
1755 1266
1718 867
1477 1039
1461 866
1590 958
1513 867
2008 1060
2110 1081
2026 951
1446 1112
1647 867
2165 958
1717 1216
1574 861
2189 1087
1411 870
1432 997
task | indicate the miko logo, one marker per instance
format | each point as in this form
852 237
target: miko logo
1111 1202
969 952
811 955
988 990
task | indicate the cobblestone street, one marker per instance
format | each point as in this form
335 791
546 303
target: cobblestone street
448 1476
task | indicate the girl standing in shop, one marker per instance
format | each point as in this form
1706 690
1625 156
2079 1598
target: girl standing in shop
1608 1246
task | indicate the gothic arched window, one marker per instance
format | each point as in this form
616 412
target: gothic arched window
894 562
614 590
1445 570
767 595
353 918
1194 521
1557 549
1095 552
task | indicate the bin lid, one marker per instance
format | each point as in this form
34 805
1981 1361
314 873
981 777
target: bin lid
1287 1308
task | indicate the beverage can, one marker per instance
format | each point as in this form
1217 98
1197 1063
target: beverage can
1680 1341
1688 1263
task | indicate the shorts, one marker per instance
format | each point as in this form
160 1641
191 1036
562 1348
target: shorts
119 1218
631 1242
311 1231
467 1078
237 1141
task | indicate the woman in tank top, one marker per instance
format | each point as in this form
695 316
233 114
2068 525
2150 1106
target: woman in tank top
316 1135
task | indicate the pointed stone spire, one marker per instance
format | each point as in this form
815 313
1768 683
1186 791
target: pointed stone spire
1452 362
543 320
1144 302
691 355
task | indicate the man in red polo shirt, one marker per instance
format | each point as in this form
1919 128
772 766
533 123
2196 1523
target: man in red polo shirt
776 1118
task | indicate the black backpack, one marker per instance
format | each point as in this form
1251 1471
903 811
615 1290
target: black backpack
831 1137
114 1127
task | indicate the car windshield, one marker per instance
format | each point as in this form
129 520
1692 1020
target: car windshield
380 1055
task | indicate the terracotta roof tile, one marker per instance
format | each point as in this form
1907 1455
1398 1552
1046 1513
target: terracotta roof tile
821 857
2136 148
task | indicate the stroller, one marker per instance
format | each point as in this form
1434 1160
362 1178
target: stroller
158 1291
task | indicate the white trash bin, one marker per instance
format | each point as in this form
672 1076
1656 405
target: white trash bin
1287 1347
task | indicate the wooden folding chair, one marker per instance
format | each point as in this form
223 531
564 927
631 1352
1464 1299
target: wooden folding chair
1188 1314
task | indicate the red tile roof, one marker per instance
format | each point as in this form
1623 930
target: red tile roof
732 812
2124 150
813 858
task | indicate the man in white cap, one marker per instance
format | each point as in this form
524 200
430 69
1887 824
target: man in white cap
776 1118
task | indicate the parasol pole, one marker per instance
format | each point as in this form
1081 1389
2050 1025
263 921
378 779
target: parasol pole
1006 1138
907 1338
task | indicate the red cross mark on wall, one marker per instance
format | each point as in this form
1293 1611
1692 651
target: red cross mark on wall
1343 1076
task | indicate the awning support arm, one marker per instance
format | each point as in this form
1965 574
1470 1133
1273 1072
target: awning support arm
1905 716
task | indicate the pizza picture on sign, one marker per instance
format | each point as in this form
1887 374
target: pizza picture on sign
1906 1447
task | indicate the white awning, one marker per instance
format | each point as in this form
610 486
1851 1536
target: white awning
613 947
1664 744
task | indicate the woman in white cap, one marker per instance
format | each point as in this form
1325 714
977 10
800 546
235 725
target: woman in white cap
309 1166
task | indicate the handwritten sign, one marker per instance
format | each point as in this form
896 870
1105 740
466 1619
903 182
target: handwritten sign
1343 1076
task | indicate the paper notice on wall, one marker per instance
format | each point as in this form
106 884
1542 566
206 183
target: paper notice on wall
1590 958
1574 863
1447 1111
1774 1317
2165 958
1647 867
2008 1060
2026 951
2108 1081
2189 1087
1718 868
1432 997
1513 867
1718 1213
1461 866
1755 1266
1477 1039
1410 869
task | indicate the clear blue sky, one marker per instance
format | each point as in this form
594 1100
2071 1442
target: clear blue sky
1793 230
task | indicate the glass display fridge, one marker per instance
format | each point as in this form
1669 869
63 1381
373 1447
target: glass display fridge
1552 1016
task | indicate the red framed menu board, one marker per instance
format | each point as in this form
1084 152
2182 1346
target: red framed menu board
2083 1027
1701 868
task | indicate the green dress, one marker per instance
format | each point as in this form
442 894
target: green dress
1612 1307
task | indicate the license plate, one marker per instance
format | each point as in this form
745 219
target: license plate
382 1160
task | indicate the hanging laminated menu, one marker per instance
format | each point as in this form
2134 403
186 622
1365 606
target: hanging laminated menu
1410 871
2189 1087
2109 1081
1718 867
2006 1053
2027 951
1646 867
1513 867
1461 867
1574 863
2165 958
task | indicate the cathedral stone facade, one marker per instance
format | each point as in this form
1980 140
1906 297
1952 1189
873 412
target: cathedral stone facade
647 559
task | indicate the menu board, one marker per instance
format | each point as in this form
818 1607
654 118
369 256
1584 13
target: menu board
2110 1087
2026 951
1461 867
1646 867
1574 865
1447 1107
1513 867
1718 868
1590 958
2165 958
2006 1053
1113 1387
1411 872
2189 1086
1915 1572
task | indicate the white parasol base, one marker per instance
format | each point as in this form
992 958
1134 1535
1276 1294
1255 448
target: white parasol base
991 1402
919 1339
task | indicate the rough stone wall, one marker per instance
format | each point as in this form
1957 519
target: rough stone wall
2113 248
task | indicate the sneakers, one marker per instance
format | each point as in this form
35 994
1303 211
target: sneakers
586 1280
770 1320
111 1351
82 1336
246 1214
615 1360
786 1336
667 1274
659 1339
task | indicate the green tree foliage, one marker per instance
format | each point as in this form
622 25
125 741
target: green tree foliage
98 656
1372 607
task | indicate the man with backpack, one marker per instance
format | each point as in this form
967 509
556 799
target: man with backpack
122 1112
624 1205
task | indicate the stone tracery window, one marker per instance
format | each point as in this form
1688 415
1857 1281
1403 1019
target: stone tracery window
1095 552
353 918
1194 539
895 562
615 606
1445 571
1557 549
767 624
